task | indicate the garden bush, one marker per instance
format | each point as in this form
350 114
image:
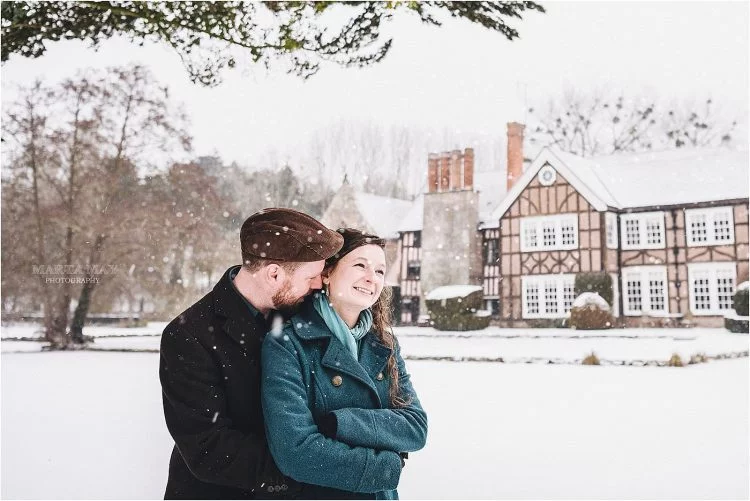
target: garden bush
675 361
599 282
737 321
590 311
740 300
457 308
591 359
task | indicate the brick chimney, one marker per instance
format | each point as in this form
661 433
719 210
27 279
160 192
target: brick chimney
468 168
456 179
432 172
444 172
515 152
450 171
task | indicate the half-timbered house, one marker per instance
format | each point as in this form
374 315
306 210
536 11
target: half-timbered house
670 227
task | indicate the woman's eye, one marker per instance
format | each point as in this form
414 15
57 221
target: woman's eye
360 264
380 272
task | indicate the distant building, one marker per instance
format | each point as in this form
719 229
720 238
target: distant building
671 228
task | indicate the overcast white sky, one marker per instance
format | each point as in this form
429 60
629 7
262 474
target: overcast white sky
459 76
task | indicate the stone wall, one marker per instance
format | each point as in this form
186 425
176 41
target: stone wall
451 244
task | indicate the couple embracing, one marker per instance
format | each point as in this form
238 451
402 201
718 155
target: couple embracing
286 380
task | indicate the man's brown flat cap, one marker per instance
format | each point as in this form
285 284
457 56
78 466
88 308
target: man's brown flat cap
288 235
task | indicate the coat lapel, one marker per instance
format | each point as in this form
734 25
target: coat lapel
240 325
373 356
338 358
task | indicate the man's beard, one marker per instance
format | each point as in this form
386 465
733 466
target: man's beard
285 303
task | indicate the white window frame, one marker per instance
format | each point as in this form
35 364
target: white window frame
537 224
643 273
611 228
713 270
560 282
643 218
712 215
615 295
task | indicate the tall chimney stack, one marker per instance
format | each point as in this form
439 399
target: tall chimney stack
456 177
468 168
515 152
432 173
444 173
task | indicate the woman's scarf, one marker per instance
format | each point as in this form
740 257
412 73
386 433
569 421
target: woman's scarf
348 337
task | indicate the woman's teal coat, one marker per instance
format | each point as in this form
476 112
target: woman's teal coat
306 373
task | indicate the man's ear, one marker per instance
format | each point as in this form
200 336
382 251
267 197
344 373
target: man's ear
273 273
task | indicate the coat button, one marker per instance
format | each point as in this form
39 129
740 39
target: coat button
379 377
336 380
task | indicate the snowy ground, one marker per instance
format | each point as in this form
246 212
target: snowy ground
512 345
88 425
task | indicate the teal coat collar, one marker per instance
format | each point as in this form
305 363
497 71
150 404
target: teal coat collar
373 356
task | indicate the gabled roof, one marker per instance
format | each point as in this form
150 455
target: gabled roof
414 217
630 181
675 177
382 214
491 187
584 180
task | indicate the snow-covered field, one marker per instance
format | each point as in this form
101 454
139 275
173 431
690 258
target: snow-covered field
512 345
88 425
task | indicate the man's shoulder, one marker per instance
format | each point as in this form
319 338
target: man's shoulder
199 313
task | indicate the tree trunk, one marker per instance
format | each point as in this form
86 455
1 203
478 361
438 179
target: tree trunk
84 300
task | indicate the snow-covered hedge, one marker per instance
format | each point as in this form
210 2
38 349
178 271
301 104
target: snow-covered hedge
457 308
599 282
590 311
739 324
741 299
591 299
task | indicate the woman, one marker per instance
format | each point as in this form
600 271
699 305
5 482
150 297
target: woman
339 409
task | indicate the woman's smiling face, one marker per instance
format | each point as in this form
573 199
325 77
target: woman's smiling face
357 280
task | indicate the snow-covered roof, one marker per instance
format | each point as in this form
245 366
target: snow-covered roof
629 181
491 187
414 218
383 214
675 177
451 291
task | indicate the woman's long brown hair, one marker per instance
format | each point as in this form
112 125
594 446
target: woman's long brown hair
381 324
382 318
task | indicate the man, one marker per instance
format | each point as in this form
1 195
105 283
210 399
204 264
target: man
210 360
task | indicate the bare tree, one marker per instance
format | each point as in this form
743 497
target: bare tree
73 170
599 123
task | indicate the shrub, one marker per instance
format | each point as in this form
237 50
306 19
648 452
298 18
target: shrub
740 300
457 311
590 311
591 359
698 358
736 325
588 318
599 282
547 323
675 361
